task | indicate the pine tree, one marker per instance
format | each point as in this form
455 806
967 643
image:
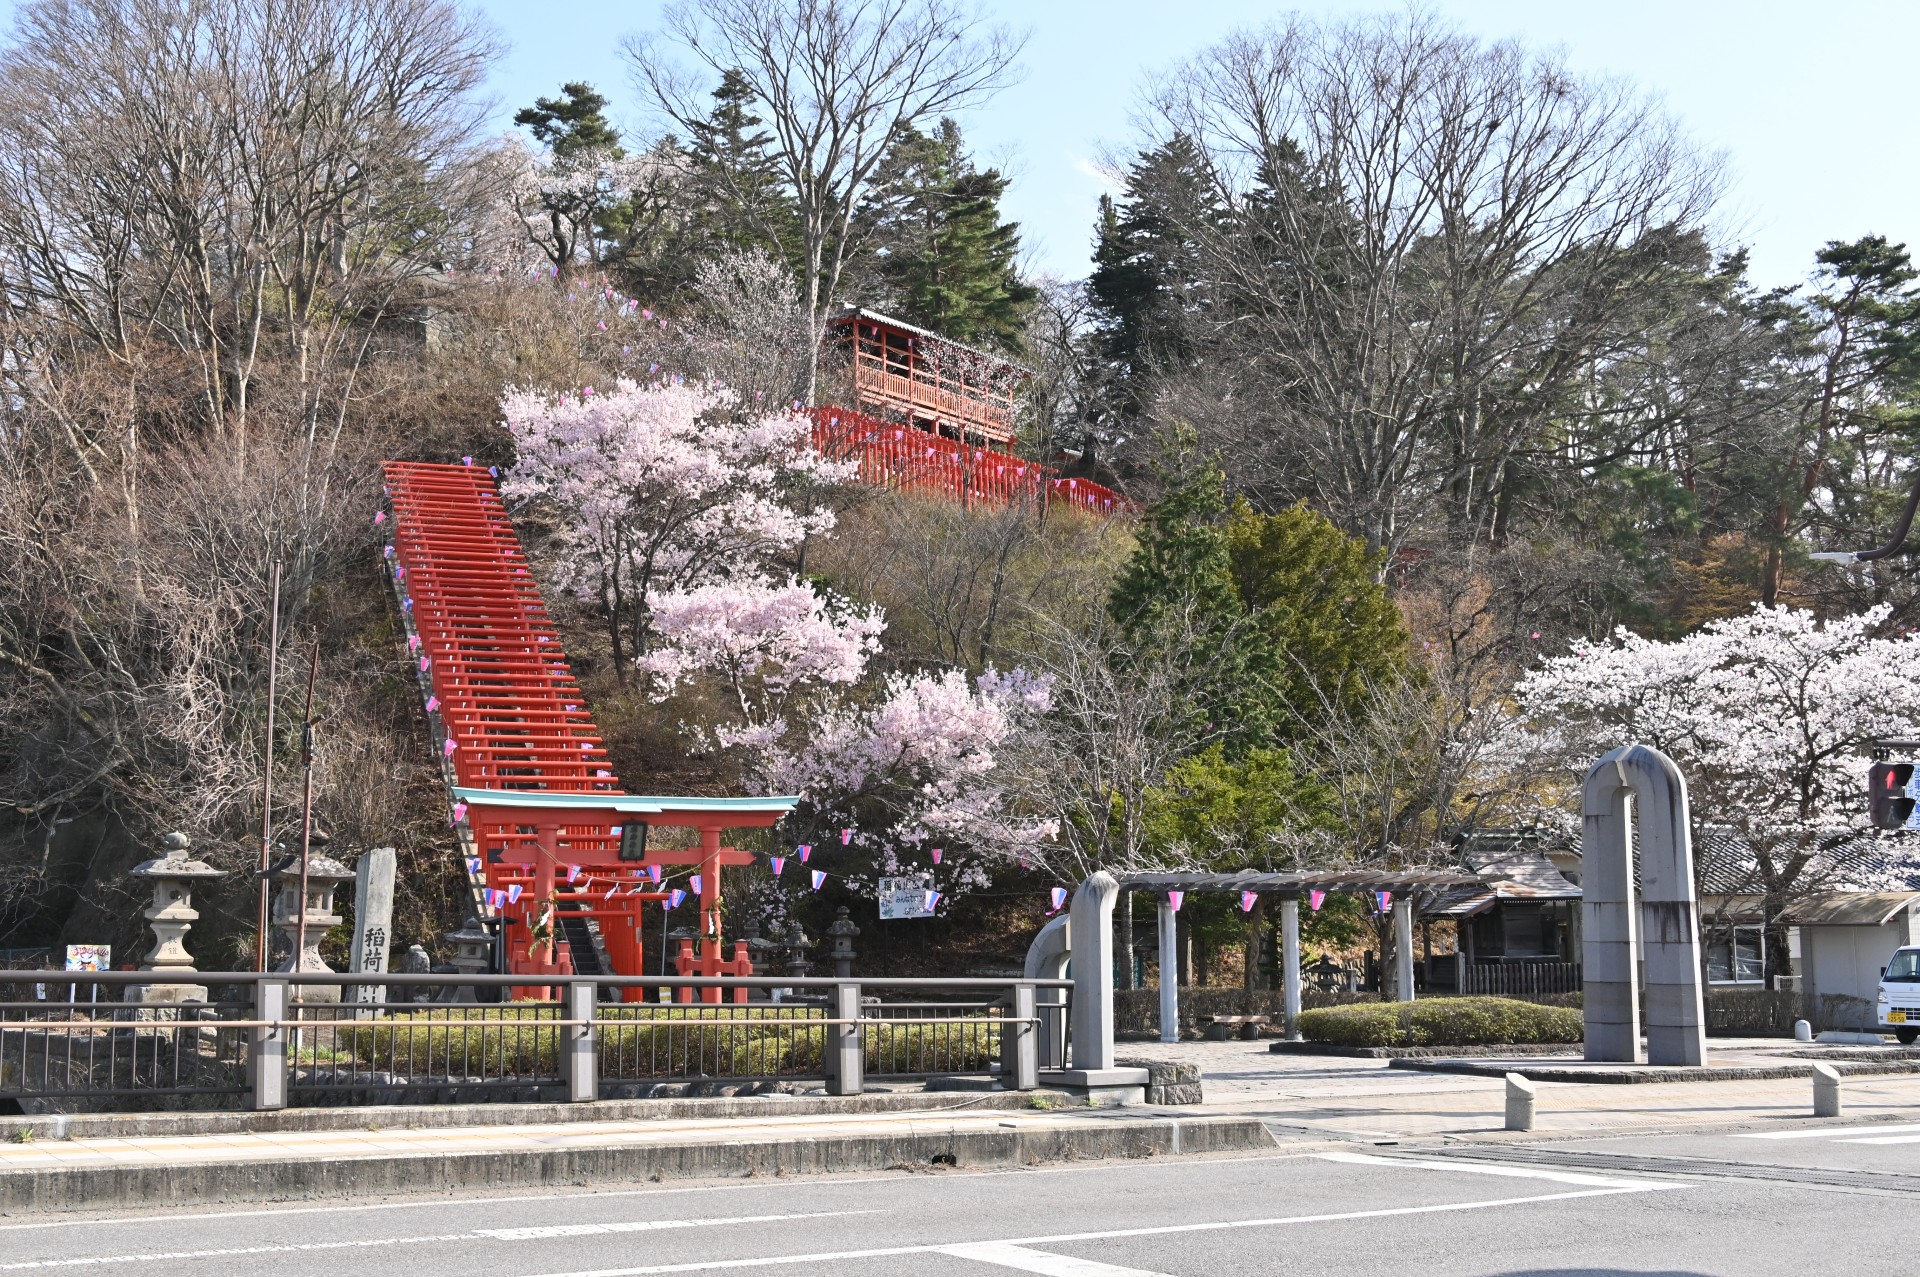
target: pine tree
939 252
739 196
1147 288
572 125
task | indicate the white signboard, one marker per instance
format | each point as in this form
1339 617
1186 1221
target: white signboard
89 957
905 897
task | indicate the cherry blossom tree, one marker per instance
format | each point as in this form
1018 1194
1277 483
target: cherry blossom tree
662 488
1765 714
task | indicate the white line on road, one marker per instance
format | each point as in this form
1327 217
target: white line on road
1883 1139
1008 1255
499 1234
1825 1132
763 1261
1511 1172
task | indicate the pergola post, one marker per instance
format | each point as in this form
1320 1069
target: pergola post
1403 948
1169 974
1290 963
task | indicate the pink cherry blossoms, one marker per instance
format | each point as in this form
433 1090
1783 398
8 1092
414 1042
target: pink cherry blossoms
657 489
1763 713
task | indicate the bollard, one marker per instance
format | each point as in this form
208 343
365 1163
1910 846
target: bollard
1519 1103
1826 1091
1802 1031
582 1044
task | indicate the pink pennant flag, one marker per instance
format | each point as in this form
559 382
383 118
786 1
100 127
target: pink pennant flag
779 865
694 883
433 703
936 855
426 663
513 892
466 461
449 747
386 551
413 642
1383 900
818 878
1246 900
1315 899
674 898
573 873
1059 895
653 872
474 865
459 812
806 851
846 836
379 517
933 898
1174 898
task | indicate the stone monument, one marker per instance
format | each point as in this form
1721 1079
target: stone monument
171 915
1635 798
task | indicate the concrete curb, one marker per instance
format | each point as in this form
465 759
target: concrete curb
1423 1052
282 1179
62 1126
1602 1075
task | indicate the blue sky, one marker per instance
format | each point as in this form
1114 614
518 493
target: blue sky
1808 101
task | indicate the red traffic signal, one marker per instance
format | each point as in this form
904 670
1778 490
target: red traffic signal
1888 804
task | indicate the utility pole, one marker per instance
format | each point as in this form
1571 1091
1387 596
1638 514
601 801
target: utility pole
261 943
306 810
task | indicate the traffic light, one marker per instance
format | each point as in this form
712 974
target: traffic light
1890 797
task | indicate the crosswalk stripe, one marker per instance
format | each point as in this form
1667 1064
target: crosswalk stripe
1826 1132
1028 1260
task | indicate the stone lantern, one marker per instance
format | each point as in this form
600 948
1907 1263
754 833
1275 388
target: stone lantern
324 876
172 875
843 931
472 955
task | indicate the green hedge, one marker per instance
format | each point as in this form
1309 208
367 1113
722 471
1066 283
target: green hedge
1443 1022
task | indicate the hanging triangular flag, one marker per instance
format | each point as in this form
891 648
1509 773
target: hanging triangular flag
846 836
1383 900
433 704
818 878
475 865
1247 899
449 747
1059 897
573 873
1315 899
674 898
459 812
513 892
1174 898
653 872
694 884
779 865
936 855
806 850
933 898
379 517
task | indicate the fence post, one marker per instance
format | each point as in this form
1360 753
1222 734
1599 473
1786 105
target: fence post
583 1044
846 1049
267 1058
1020 1041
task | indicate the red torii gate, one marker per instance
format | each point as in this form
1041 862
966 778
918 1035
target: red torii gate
525 765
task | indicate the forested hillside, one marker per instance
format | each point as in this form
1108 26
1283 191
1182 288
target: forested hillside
1426 360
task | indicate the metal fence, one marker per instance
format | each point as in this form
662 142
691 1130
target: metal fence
272 1041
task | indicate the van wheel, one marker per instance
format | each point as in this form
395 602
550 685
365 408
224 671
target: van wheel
1907 1036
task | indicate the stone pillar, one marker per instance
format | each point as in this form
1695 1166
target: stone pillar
1169 972
324 876
1290 963
372 921
171 915
1092 914
1403 948
1639 786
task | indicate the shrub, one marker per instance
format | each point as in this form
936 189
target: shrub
1443 1022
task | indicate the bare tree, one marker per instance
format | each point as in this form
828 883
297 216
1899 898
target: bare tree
750 333
839 79
1427 243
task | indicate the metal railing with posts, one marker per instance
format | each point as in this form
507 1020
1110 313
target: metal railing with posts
269 1041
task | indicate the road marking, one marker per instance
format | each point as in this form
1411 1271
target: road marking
1826 1132
1883 1139
824 1257
365 1243
1008 1255
536 1231
1471 1168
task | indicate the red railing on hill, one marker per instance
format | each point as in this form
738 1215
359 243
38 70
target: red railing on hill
892 455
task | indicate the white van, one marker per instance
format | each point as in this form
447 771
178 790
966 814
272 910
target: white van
1899 1008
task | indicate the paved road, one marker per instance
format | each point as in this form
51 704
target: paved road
1779 1199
